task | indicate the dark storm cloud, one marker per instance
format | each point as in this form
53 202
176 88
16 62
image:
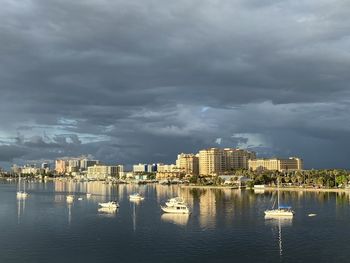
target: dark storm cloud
95 77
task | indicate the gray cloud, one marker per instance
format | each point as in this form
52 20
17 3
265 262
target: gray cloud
130 81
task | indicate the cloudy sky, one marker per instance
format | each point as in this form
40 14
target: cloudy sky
141 80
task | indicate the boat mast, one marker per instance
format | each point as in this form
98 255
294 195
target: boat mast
278 193
19 182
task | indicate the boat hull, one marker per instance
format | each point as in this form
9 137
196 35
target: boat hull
108 205
279 213
174 210
136 198
22 195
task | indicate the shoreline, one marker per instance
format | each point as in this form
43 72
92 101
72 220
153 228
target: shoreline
303 189
210 187
270 188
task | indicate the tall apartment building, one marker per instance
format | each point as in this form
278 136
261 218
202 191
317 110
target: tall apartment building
188 163
211 161
276 164
61 166
105 171
85 163
70 165
214 161
237 158
73 165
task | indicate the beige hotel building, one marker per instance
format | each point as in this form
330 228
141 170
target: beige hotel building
188 163
276 164
99 171
214 161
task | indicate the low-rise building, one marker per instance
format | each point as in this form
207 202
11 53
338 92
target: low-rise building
168 171
144 168
276 164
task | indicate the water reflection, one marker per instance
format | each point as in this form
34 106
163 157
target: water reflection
259 191
178 219
134 215
276 223
69 205
279 221
107 211
21 205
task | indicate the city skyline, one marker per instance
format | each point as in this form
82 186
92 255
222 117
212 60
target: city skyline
137 82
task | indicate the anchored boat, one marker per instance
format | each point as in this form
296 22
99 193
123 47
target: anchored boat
136 196
281 211
176 209
111 204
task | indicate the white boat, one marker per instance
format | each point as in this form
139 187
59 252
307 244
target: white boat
175 201
281 211
111 204
176 209
88 195
136 196
21 194
70 198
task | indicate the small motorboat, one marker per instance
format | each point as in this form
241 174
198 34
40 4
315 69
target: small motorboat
22 194
174 201
111 204
70 198
136 196
176 209
88 195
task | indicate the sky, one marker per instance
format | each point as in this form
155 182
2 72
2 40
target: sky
129 81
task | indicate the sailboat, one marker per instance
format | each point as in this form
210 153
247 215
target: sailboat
21 194
281 211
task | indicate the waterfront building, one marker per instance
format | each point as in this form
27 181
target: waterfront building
99 171
15 169
151 168
276 164
73 165
129 175
30 169
215 161
45 166
168 171
144 168
86 163
211 162
237 158
61 166
188 163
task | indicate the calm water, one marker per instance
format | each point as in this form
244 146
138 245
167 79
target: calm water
225 226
